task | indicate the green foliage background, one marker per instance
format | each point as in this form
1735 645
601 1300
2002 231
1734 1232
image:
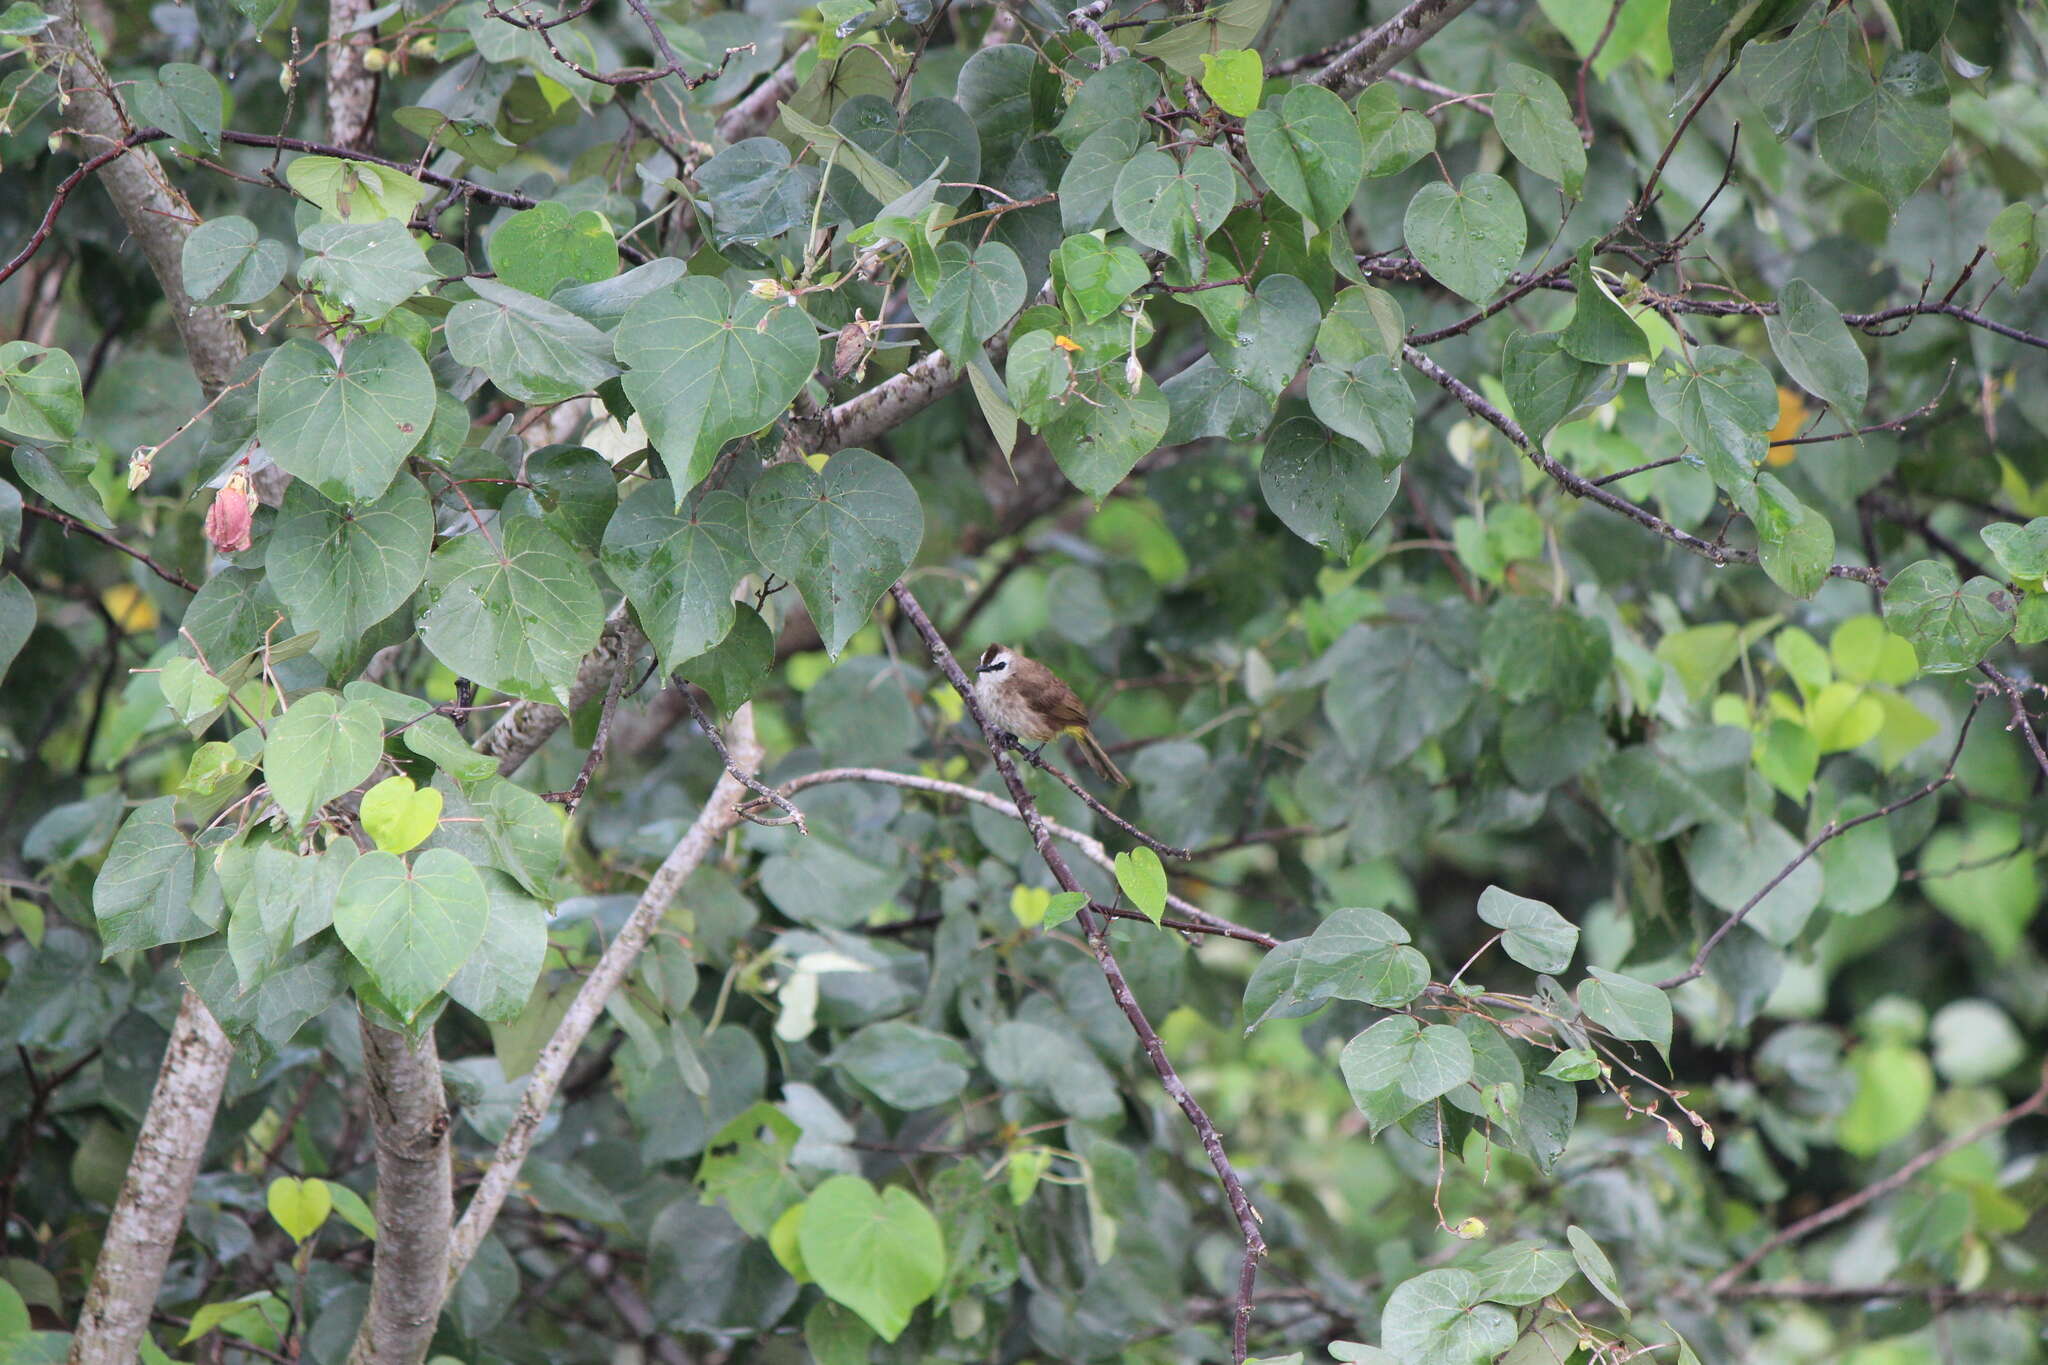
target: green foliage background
1557 534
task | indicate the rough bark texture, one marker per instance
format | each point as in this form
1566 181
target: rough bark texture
719 814
151 1208
1386 46
158 216
415 1198
527 725
351 86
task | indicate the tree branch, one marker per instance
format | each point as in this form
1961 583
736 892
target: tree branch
1939 1297
157 216
1097 928
351 85
719 814
415 1197
71 523
151 1206
1379 49
1837 1211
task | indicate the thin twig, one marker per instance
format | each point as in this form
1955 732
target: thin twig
1097 928
1834 829
2015 695
71 523
1837 1211
746 778
573 797
1094 803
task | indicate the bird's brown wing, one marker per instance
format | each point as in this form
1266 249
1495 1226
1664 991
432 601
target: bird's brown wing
1048 696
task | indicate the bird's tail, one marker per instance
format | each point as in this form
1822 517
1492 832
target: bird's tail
1098 757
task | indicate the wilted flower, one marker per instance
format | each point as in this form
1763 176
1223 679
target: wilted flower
228 520
138 466
1134 373
766 290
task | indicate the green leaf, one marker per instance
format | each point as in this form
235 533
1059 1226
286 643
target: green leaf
537 250
1724 405
1116 95
366 268
185 101
284 901
678 568
398 816
1329 490
1536 124
1788 756
1234 80
932 139
2015 239
1535 935
978 291
1468 238
339 571
1601 332
299 1206
1533 649
318 749
1399 1064
1731 861
412 928
1439 1318
471 139
143 894
23 20
1950 625
1098 277
356 191
705 368
842 535
1797 543
1394 138
1390 690
1354 954
512 607
2022 551
1308 149
1627 1008
1143 878
752 192
1983 877
1089 180
1574 1064
1175 206
1523 1273
1369 402
1594 1265
498 979
907 1067
1894 1085
880 1255
1103 429
352 1209
1893 138
17 619
210 1316
1362 321
225 260
1815 347
44 401
740 662
533 350
344 430
1814 73
1233 26
1546 383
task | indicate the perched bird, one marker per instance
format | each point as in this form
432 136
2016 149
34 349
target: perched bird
1026 698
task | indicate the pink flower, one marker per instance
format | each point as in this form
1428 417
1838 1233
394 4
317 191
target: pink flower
227 521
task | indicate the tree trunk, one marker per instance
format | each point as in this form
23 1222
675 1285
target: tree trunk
415 1198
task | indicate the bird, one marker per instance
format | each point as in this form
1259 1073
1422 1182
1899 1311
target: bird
1028 699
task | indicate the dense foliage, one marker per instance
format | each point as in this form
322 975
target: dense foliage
500 858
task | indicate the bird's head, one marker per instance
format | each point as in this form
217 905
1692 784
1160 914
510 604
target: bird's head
996 659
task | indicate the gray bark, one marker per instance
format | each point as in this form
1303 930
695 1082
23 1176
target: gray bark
415 1198
151 1206
351 86
158 217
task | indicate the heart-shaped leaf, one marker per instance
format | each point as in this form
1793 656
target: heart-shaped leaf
1329 490
513 608
344 429
881 1255
1532 933
341 572
536 351
537 249
1950 624
44 400
978 291
1143 878
842 535
356 191
1174 206
318 749
399 816
678 567
751 191
705 368
1103 428
227 261
367 268
185 101
1470 237
1307 147
412 928
299 1206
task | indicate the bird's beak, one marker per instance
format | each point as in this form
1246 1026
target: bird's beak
983 668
